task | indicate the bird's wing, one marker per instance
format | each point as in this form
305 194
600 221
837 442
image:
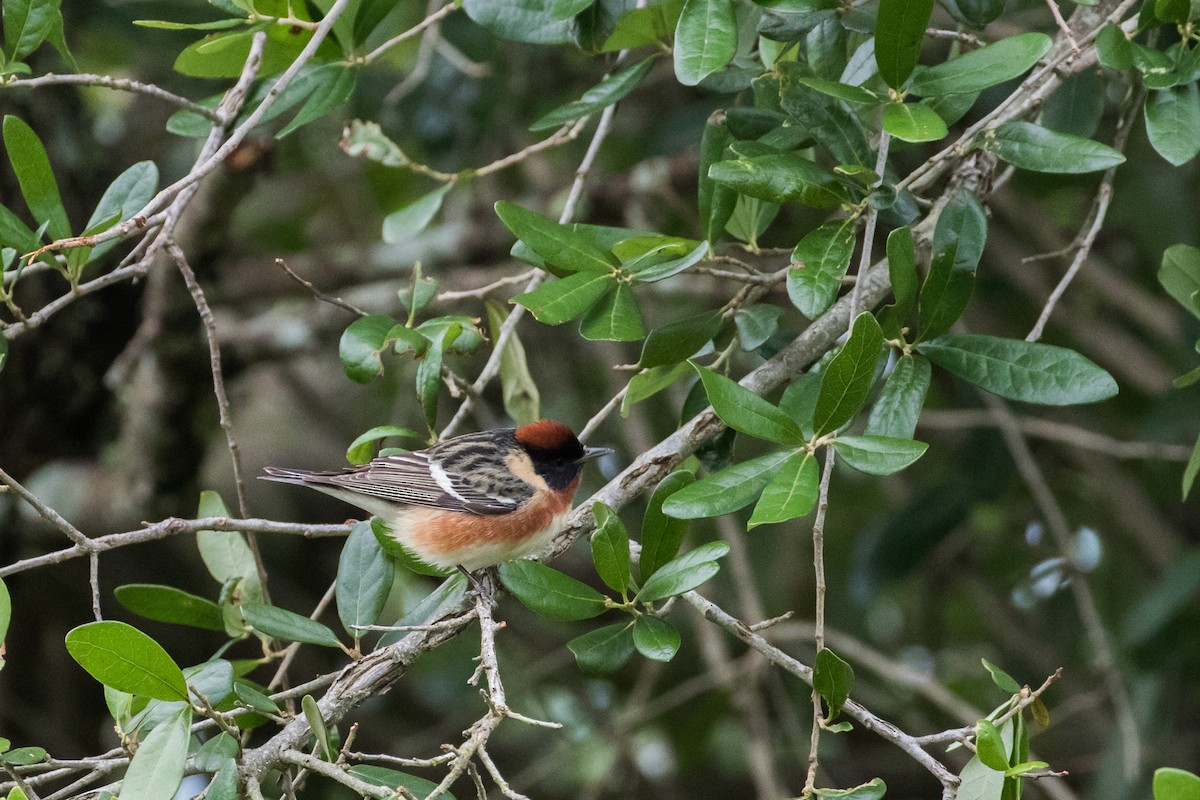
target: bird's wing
419 479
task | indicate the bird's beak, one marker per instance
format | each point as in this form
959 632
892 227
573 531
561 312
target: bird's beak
595 452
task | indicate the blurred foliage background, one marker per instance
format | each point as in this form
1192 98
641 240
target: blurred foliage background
928 571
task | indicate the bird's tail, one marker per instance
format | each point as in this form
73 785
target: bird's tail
300 477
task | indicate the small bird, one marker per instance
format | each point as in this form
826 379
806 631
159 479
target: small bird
469 502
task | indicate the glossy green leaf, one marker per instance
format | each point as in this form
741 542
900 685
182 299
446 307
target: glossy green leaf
1112 48
850 93
1077 105
364 579
16 234
23 756
655 270
614 317
781 178
705 39
549 592
899 31
833 679
435 605
650 382
168 25
683 573
715 202
1031 372
873 789
662 535
652 25
726 491
124 658
958 242
655 638
878 455
522 400
27 23
847 379
393 779
1002 679
402 224
1171 783
362 345
971 72
902 270
819 262
168 604
320 731
223 55
1173 123
989 746
898 407
791 492
1179 274
31 165
1035 148
608 91
799 400
251 697
913 122
332 86
362 449
429 382
283 624
610 548
558 244
604 649
678 340
558 301
156 769
529 21
828 121
756 324
125 196
746 412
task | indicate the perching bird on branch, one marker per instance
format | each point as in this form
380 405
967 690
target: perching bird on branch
472 501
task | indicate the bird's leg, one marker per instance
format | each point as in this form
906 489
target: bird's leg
483 586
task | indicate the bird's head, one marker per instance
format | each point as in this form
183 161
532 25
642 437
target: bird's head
555 452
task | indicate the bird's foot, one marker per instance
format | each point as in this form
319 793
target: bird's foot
483 583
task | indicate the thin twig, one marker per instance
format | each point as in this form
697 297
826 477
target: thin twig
109 82
864 260
432 19
818 536
317 293
47 513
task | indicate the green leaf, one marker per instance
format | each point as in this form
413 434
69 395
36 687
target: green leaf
283 624
364 579
549 592
791 492
156 769
27 23
31 165
1191 470
958 242
655 638
1175 784
6 612
833 679
847 380
974 71
675 342
429 381
604 649
435 605
642 26
366 140
1031 372
611 89
819 262
168 25
873 789
529 21
1004 682
1112 48
913 122
902 269
746 412
654 270
661 534
362 345
652 381
332 85
614 317
878 455
1173 123
168 604
402 224
1179 274
121 656
855 95
756 324
705 39
392 779
683 573
899 29
715 202
23 756
727 491
1035 148
989 746
558 301
781 178
610 548
124 197
362 449
829 122
898 408
320 731
557 244
522 401
251 697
